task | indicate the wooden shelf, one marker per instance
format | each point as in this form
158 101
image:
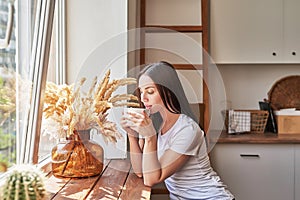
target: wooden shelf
202 27
188 66
174 28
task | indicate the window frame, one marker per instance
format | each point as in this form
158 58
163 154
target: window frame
29 139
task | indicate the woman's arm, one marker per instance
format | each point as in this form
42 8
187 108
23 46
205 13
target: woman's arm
154 170
144 159
136 149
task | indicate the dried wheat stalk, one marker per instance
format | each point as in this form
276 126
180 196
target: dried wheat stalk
74 110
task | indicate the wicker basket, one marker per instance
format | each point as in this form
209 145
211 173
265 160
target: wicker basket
258 120
285 93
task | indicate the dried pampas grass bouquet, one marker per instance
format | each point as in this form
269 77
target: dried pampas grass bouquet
67 108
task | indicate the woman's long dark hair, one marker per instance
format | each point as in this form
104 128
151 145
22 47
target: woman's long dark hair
169 87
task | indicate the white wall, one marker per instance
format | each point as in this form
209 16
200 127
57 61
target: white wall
97 41
90 24
247 84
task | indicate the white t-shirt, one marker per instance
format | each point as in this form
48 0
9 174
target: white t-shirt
196 179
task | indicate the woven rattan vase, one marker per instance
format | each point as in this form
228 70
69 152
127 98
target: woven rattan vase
77 156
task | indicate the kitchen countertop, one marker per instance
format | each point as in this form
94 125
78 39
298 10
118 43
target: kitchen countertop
253 138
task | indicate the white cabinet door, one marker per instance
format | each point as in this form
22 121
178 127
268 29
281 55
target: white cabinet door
291 31
255 171
246 31
297 171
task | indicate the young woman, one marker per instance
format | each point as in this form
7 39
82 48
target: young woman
169 145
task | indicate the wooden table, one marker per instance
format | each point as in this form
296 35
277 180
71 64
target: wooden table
117 181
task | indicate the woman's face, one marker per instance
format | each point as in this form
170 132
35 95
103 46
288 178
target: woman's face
150 95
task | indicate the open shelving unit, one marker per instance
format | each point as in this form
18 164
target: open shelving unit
161 21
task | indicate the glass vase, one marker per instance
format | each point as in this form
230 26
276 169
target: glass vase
77 156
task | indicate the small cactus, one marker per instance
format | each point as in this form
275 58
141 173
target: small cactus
24 183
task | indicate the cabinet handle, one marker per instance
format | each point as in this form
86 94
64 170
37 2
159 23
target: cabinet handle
249 155
293 53
274 54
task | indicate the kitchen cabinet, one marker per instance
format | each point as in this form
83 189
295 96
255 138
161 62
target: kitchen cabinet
297 172
256 171
255 31
291 27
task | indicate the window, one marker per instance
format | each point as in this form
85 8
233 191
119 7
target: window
7 89
23 74
56 70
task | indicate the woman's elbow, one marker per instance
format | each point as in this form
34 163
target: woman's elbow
151 180
140 175
146 182
149 183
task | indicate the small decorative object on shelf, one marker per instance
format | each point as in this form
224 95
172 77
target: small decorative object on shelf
68 111
23 183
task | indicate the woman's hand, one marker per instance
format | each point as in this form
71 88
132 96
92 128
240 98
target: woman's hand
134 122
132 134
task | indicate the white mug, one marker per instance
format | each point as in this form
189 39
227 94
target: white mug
137 110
